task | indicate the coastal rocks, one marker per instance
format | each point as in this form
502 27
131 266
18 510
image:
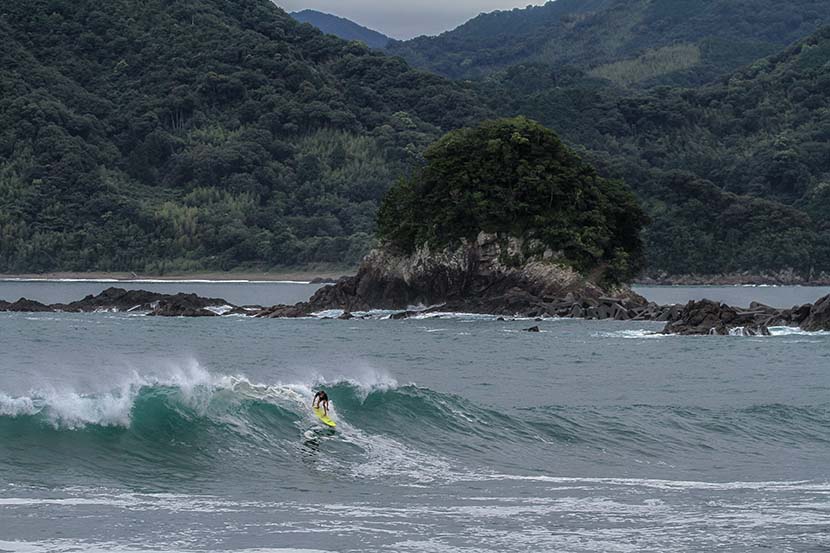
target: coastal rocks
284 311
488 275
121 300
819 316
114 299
186 305
24 305
707 317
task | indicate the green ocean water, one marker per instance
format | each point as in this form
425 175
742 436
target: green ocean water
455 433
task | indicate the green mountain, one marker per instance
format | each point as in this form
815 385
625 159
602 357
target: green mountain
630 42
218 134
199 134
735 175
343 28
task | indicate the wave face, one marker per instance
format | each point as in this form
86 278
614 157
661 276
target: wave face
199 427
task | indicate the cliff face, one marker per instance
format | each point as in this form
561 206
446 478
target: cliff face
493 274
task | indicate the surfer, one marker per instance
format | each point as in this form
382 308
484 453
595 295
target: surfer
321 399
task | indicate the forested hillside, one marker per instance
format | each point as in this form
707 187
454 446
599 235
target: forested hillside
630 42
735 175
342 27
199 134
214 134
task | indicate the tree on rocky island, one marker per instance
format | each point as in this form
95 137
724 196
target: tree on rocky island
515 178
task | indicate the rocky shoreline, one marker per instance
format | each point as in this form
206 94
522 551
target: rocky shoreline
120 300
494 275
704 317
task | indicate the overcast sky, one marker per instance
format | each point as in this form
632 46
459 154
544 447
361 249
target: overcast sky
404 19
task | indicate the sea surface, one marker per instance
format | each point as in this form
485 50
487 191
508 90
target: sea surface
456 433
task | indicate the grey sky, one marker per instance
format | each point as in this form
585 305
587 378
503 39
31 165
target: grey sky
404 19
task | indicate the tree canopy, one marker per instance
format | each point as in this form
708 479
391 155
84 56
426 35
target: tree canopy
199 134
513 177
733 174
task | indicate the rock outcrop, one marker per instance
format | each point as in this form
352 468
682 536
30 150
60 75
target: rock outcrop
707 317
186 305
818 317
120 300
24 305
489 275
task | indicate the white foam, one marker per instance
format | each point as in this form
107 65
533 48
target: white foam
219 309
795 331
639 334
798 485
16 406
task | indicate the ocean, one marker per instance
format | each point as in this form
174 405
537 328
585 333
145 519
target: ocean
457 433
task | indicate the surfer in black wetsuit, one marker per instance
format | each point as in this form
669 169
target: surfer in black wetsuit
321 399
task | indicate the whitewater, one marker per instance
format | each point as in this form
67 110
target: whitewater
456 433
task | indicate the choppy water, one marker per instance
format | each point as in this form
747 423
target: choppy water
130 433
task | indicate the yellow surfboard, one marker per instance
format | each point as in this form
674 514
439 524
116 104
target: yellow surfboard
323 417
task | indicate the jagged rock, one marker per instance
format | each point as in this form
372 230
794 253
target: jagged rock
707 317
819 317
346 316
24 305
470 278
119 299
800 313
185 305
116 299
284 312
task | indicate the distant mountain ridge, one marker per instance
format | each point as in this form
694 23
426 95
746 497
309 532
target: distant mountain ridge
631 42
342 28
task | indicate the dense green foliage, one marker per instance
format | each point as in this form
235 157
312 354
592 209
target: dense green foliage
199 134
343 28
761 134
216 134
716 36
515 178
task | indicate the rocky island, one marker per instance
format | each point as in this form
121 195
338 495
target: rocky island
502 219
